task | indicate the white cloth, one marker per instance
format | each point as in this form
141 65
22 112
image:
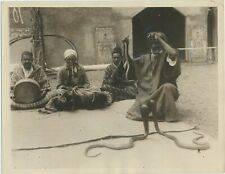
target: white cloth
171 62
74 70
27 72
70 52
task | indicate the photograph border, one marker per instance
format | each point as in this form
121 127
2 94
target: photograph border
6 119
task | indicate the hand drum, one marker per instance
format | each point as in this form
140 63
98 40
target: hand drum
27 91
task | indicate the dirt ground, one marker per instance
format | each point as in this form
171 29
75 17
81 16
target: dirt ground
197 104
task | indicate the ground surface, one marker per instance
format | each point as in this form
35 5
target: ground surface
197 105
156 153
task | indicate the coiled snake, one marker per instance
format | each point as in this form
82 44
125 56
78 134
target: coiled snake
38 104
145 109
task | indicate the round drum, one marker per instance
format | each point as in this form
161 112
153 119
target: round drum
27 91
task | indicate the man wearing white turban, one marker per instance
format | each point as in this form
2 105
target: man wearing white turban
72 74
77 92
69 53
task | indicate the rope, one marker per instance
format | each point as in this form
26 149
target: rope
198 48
12 41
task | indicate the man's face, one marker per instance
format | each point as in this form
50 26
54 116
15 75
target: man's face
71 61
116 58
27 61
156 48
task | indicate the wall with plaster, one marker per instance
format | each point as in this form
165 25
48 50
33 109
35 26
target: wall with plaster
79 25
19 25
196 34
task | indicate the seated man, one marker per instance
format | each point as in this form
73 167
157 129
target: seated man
72 74
115 81
29 71
75 88
157 73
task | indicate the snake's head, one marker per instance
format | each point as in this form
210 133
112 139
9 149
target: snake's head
196 128
126 40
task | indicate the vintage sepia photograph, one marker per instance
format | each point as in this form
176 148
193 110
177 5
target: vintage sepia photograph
113 89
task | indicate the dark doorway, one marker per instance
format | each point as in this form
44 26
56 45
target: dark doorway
212 27
164 19
212 33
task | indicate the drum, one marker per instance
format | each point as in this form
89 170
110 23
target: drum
27 91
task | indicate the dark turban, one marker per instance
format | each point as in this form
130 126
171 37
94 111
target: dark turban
26 53
117 50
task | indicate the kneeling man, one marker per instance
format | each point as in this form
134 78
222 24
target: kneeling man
157 73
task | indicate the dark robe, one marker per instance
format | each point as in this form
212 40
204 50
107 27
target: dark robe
71 79
156 79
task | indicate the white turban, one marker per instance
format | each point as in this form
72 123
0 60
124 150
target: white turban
70 52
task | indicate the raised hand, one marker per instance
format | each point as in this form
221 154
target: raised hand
126 40
154 35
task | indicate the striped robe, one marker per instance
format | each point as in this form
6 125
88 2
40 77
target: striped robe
37 74
115 82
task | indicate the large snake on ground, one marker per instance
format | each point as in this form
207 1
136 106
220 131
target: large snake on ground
197 145
38 104
145 109
128 145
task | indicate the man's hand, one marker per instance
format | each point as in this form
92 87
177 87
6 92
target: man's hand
74 89
154 36
157 36
43 93
12 96
126 40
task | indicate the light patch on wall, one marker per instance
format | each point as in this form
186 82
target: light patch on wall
104 44
88 41
17 48
191 11
192 21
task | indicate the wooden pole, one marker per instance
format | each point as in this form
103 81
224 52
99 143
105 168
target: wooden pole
37 38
